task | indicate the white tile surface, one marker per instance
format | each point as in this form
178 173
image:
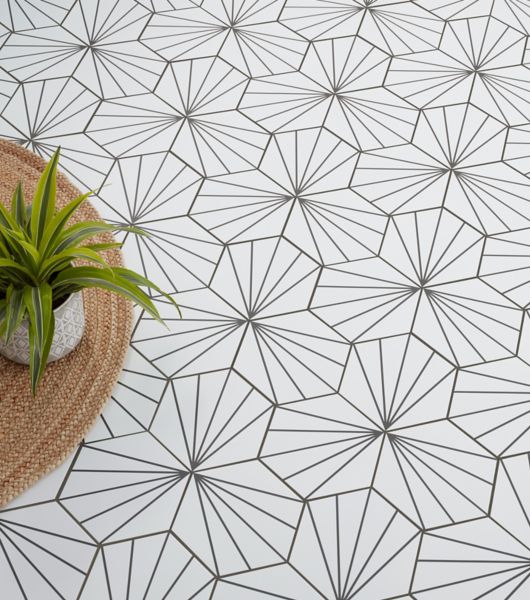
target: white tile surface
338 197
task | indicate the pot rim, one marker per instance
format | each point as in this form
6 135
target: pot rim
67 300
61 306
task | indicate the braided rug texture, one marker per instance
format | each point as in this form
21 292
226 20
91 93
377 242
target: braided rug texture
38 433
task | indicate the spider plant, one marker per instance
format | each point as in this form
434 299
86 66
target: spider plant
40 252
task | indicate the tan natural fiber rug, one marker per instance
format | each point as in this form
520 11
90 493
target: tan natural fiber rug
37 434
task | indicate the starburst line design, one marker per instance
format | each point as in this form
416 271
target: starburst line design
336 193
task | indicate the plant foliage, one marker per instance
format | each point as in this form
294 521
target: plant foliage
38 253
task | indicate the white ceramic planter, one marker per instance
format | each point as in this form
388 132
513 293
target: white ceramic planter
69 328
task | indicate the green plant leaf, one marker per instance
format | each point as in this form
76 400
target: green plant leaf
79 232
7 222
16 269
64 259
4 252
100 247
38 302
18 208
58 223
43 205
22 251
12 234
15 310
80 277
133 229
31 251
3 312
137 279
28 219
3 309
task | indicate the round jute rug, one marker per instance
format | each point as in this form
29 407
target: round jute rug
38 433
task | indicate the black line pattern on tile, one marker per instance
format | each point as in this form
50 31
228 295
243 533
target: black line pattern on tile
337 194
